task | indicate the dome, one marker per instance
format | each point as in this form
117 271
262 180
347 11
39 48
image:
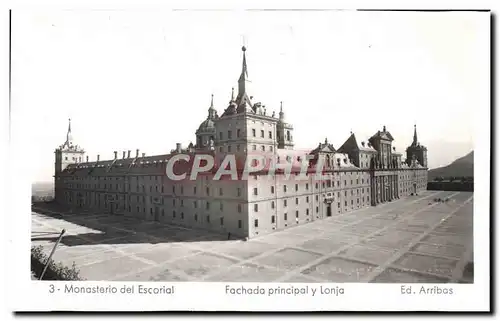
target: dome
207 125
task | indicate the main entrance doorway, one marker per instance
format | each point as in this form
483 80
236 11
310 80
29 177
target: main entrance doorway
329 210
157 214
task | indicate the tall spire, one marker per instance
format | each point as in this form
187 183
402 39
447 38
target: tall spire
69 137
232 94
211 111
243 77
415 140
282 114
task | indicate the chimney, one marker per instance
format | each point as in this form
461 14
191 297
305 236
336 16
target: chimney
123 154
87 159
363 144
128 154
143 154
97 157
178 147
136 153
116 154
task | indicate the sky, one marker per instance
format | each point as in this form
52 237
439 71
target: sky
143 79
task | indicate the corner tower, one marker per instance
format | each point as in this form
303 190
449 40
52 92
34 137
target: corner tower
67 153
415 150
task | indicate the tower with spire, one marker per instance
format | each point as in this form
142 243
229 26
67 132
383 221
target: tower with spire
68 153
416 151
285 131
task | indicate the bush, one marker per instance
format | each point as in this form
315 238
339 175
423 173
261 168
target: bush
55 271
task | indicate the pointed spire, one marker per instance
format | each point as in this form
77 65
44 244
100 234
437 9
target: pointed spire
243 77
232 94
244 70
415 140
211 111
282 114
68 134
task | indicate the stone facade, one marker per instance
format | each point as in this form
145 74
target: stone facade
357 175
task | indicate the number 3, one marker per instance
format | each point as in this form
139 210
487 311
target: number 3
51 288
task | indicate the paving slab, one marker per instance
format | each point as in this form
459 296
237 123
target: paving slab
340 270
288 259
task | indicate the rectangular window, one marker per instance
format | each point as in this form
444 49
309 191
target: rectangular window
297 214
256 223
221 207
256 207
307 199
307 186
296 187
284 188
254 147
239 208
239 224
229 148
263 148
238 191
297 201
253 132
284 203
196 217
195 204
317 197
229 134
307 211
238 148
208 218
220 191
262 133
255 191
182 215
285 216
272 204
317 209
221 221
238 132
273 219
272 189
270 134
220 135
208 206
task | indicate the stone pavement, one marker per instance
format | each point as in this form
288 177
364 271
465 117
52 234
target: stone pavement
408 240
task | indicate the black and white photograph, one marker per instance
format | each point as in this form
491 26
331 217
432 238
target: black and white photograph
252 155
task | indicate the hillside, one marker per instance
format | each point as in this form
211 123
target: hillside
464 166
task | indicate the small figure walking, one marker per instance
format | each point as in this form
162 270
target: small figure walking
229 235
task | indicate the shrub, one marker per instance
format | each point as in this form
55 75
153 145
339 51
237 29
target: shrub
55 270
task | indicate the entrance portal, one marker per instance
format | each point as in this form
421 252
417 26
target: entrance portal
329 210
157 214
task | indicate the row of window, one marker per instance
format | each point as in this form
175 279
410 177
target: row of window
238 134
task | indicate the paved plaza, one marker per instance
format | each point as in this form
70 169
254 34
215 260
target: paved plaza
409 240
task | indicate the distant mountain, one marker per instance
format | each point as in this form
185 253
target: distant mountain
464 166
